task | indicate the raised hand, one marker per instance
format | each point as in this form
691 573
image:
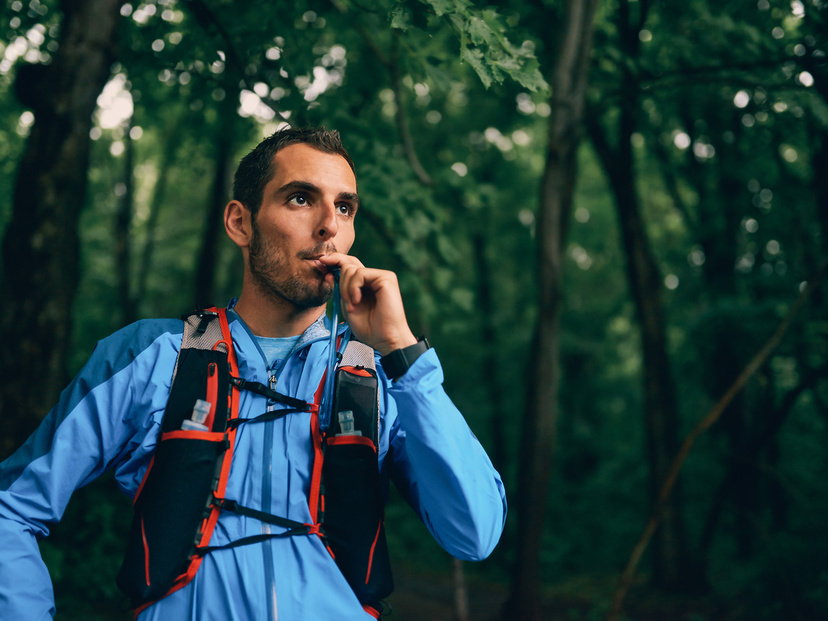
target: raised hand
372 304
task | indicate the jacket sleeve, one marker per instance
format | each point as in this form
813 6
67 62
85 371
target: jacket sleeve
93 427
439 465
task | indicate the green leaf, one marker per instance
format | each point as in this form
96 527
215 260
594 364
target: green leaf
479 32
474 57
443 7
484 46
400 18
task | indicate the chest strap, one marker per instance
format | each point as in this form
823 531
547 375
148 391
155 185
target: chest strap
293 527
269 393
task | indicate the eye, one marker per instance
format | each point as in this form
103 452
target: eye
298 199
346 209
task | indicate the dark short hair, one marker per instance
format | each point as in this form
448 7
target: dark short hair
256 168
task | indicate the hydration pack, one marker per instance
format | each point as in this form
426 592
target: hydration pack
179 501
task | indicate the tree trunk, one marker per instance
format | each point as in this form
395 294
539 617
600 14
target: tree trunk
569 79
159 193
40 248
670 569
491 358
820 165
205 274
461 593
123 241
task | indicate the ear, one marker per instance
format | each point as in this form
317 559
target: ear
237 223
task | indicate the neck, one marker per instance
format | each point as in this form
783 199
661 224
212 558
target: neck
270 317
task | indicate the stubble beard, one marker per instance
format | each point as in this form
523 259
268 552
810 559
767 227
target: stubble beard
270 270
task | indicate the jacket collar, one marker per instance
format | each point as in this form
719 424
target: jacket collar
251 359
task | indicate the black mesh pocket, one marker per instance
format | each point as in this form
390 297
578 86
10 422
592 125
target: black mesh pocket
356 390
169 512
353 522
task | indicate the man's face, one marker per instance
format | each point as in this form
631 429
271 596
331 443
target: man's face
308 210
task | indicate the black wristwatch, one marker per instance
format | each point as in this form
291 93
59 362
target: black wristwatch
399 361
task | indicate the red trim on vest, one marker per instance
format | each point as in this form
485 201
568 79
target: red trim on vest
146 552
316 501
346 439
371 554
361 371
193 434
316 474
212 393
144 480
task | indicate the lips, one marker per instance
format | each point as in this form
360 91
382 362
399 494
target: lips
318 265
313 256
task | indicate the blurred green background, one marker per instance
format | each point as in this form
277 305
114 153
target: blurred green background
697 212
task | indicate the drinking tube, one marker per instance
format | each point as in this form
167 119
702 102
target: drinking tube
327 396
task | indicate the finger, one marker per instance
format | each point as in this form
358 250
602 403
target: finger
345 273
354 284
337 259
375 284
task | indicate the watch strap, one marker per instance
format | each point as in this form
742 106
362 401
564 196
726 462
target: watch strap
396 363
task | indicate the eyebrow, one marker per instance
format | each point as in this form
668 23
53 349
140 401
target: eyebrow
311 188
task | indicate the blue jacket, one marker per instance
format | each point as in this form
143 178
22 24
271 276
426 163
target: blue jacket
109 416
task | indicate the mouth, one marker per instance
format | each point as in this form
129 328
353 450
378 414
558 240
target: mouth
319 266
313 257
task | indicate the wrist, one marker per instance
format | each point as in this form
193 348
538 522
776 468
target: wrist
386 347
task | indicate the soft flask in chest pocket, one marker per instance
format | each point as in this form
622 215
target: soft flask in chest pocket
353 520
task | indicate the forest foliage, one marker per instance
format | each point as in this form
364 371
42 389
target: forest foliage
718 110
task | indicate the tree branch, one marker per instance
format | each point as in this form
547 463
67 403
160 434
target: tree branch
763 63
402 126
672 183
400 118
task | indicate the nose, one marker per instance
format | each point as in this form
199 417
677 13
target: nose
328 225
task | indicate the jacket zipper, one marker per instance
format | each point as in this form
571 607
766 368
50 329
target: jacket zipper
267 454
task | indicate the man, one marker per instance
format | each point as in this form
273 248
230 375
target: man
295 202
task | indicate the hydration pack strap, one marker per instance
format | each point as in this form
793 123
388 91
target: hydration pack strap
205 317
263 418
232 505
306 529
264 391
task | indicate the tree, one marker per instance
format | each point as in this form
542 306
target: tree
569 81
661 416
123 234
40 246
